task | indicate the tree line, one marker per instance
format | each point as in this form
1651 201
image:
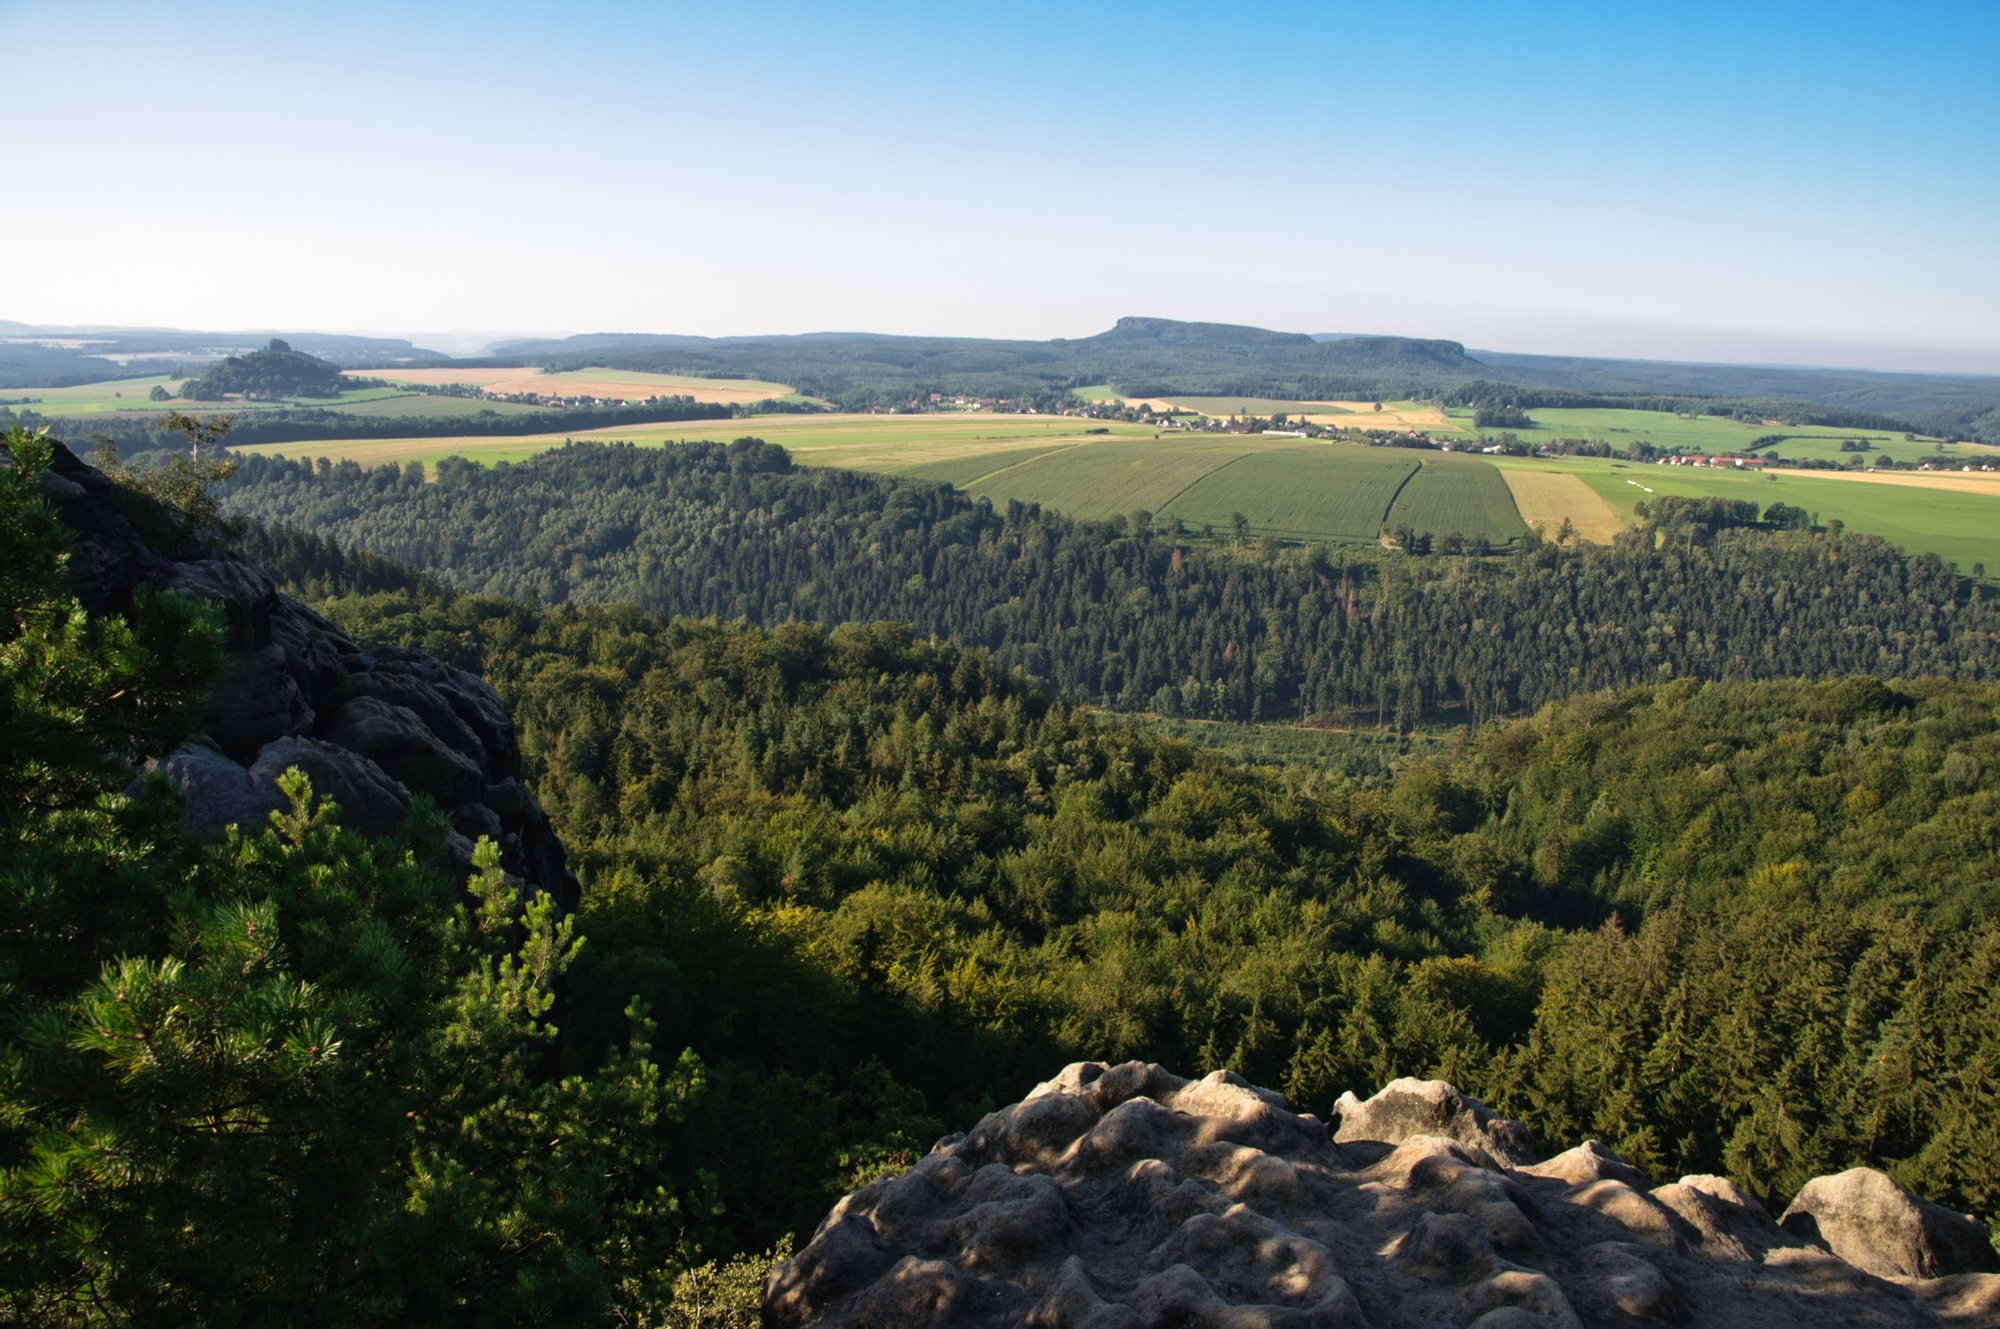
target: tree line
1142 615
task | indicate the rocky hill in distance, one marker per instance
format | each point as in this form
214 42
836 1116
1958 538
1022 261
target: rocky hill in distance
1128 1196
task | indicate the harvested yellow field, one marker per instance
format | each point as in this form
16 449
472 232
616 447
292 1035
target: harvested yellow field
604 384
437 378
1545 498
1398 417
1404 417
1962 482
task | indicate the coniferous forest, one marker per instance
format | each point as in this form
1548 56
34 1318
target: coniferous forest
1750 928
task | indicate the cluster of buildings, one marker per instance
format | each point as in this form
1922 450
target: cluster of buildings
1739 463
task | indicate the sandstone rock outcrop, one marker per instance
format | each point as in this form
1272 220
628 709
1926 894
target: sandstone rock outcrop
1866 1219
1123 1196
1410 1107
371 726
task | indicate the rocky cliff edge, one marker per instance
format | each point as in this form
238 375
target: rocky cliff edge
371 726
1115 1197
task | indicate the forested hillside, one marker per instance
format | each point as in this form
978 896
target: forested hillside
1140 355
1950 404
1147 356
275 371
1140 617
876 884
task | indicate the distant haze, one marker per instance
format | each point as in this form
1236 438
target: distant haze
1780 182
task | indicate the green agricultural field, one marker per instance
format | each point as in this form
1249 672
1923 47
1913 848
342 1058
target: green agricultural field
1114 477
1319 491
1712 434
1462 494
1956 517
1293 490
1827 448
1099 392
429 405
967 471
111 396
129 397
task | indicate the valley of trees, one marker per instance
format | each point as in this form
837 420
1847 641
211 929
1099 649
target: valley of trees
878 886
1143 617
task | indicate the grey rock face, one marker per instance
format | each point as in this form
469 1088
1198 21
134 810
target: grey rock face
370 800
396 739
371 726
219 792
1410 1107
1866 1219
1125 1196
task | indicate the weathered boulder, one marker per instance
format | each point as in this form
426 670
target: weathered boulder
371 726
396 739
1127 1196
1866 1219
220 793
1410 1107
370 800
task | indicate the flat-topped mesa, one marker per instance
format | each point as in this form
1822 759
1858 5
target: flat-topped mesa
371 726
1115 1197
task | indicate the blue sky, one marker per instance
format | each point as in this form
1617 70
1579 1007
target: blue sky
1802 183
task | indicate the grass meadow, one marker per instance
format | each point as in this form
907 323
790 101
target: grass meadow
129 397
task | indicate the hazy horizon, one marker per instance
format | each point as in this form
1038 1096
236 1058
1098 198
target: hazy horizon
1703 184
1667 346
